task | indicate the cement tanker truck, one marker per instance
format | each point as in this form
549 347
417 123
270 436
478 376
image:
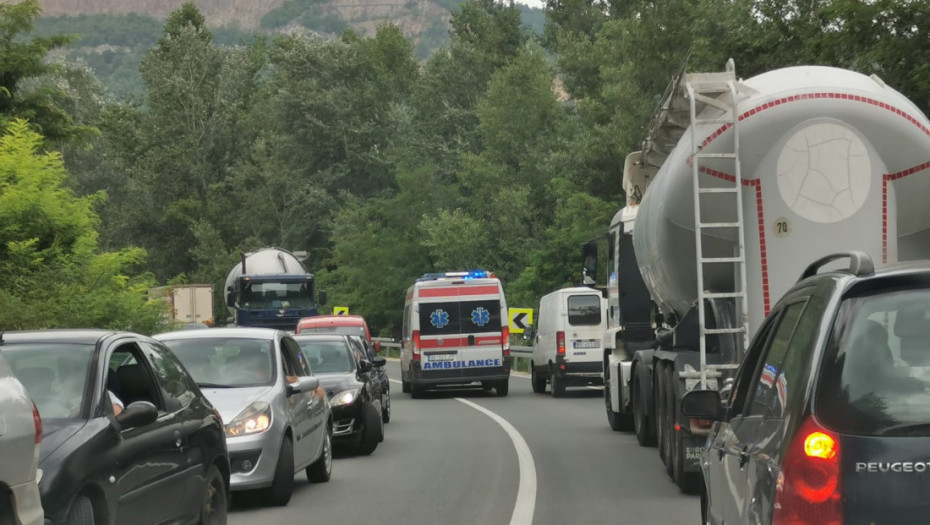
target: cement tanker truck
271 288
740 184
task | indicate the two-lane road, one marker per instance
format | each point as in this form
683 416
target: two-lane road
443 461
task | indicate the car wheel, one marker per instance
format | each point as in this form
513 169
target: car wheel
416 391
372 433
322 469
215 504
502 388
82 512
558 387
386 407
539 383
404 385
279 493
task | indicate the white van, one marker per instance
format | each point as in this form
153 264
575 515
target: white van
455 333
567 348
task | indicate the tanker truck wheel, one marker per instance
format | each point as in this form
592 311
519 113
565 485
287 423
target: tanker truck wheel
645 435
670 417
658 396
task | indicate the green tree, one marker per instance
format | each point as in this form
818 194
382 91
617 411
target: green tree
51 273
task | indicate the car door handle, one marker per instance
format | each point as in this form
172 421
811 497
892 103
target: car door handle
744 456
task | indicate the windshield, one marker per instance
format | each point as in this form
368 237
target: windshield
876 374
584 310
341 330
54 374
260 295
226 361
327 357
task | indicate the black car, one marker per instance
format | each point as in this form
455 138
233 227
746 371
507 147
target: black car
362 345
828 420
127 435
353 386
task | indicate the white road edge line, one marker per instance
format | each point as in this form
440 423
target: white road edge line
525 505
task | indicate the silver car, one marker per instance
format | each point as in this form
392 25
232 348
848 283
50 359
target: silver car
20 435
278 418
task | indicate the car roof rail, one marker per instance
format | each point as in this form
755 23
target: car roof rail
860 264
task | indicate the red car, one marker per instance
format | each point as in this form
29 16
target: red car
337 324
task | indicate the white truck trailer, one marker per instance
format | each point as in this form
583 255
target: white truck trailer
740 184
190 303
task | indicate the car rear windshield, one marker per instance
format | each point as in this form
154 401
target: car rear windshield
875 377
584 310
327 357
341 330
226 361
54 374
465 317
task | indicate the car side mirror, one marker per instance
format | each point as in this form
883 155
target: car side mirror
364 365
378 346
137 414
379 361
702 404
528 332
303 384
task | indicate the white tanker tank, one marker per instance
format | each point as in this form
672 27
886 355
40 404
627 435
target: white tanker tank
831 160
271 288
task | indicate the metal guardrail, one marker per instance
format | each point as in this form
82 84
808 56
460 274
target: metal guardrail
522 351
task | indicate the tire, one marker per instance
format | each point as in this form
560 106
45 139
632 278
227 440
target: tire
81 512
502 388
416 391
279 493
670 433
372 433
386 406
539 383
618 421
404 385
215 499
645 435
321 470
557 387
658 406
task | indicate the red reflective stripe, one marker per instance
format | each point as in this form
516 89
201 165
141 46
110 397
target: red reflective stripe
455 291
456 342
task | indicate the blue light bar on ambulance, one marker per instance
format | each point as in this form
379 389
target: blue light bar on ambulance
474 274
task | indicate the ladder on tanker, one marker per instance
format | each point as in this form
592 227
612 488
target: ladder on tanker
720 91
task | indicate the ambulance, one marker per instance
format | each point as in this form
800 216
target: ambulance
455 333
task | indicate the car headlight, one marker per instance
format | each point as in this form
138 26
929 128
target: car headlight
254 419
346 397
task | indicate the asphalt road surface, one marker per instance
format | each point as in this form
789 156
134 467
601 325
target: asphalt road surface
445 461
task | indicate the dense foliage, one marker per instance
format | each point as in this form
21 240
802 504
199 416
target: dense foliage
501 151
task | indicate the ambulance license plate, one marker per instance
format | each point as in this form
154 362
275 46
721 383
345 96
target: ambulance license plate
588 343
440 357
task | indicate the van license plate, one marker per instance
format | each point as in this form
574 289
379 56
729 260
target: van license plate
440 357
590 343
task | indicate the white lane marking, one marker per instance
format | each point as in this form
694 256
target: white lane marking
525 505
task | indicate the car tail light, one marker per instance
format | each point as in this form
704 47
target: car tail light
505 340
416 345
808 489
37 421
560 343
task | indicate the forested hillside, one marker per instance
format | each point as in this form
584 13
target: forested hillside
113 36
501 151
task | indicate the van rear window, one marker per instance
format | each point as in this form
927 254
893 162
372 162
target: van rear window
584 310
466 317
875 377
